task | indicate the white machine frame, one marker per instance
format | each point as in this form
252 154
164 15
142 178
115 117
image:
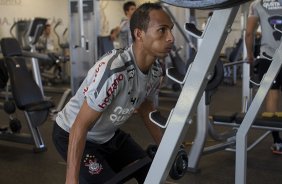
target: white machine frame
193 89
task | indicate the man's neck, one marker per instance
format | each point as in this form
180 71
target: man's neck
143 60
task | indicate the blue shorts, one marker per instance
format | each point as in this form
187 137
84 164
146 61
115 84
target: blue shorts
100 162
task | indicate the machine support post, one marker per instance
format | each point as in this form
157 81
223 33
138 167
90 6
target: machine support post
193 89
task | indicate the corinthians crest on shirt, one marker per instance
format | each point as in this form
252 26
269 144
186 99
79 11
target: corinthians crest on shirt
94 167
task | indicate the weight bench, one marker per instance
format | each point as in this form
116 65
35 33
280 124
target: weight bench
235 119
26 94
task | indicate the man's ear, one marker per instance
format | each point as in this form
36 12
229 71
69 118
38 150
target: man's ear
138 34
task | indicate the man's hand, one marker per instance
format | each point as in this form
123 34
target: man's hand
144 110
250 59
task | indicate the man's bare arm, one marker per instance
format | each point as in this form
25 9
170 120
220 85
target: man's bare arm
77 138
252 25
144 110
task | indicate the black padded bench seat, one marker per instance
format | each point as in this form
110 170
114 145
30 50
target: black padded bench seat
205 4
237 118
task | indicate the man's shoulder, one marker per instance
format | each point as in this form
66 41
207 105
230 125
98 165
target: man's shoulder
117 59
124 19
124 23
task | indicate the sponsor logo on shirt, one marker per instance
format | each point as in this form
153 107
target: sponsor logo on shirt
271 4
98 69
121 114
85 90
111 90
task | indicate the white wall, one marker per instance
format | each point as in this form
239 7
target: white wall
14 10
111 13
57 10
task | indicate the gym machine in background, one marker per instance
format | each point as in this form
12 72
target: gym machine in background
204 123
35 30
84 21
19 31
27 96
28 92
30 97
195 82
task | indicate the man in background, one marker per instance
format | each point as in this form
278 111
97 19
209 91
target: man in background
261 13
46 42
125 35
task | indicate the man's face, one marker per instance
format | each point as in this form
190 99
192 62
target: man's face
130 11
158 39
48 30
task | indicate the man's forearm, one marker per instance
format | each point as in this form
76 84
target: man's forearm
154 130
76 146
249 45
